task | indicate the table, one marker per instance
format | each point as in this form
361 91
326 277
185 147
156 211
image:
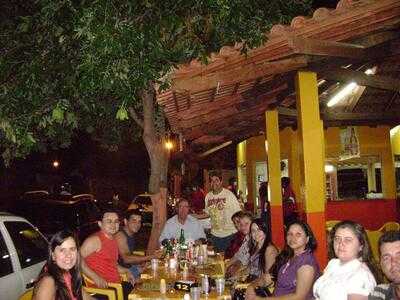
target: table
149 287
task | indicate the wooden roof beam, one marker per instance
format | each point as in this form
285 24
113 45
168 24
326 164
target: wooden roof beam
360 51
351 116
375 81
355 99
345 116
244 73
175 101
287 112
310 46
188 100
391 101
214 149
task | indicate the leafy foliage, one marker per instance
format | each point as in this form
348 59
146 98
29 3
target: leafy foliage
80 64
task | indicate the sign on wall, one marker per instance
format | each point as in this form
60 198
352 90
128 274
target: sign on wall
350 146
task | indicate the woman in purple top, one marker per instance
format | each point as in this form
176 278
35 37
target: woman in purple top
296 268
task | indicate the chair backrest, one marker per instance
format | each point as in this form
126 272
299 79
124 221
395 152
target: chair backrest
330 224
114 288
390 226
373 237
27 295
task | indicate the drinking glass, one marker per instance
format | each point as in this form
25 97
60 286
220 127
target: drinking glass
220 285
195 292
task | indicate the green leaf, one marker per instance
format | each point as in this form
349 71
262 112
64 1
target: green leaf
58 115
122 114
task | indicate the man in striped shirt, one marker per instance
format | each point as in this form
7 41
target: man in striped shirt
389 248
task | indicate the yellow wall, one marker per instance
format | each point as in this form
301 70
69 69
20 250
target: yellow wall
373 141
255 151
395 139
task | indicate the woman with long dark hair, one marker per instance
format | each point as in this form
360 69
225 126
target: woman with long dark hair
351 273
262 250
295 268
60 278
262 254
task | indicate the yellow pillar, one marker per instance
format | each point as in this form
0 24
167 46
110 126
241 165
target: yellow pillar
274 177
313 158
241 158
294 168
388 176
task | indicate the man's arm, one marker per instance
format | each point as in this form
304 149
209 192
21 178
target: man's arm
122 270
126 255
90 245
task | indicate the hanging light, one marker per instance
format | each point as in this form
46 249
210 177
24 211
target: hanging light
168 143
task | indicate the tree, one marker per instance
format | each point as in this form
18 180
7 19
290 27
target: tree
96 65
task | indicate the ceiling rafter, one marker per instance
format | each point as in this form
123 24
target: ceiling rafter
375 81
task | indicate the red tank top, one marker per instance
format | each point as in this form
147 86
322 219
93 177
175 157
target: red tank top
104 262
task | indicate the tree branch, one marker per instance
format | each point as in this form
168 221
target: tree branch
135 116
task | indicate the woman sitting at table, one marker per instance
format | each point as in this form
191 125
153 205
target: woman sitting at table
60 278
350 273
295 269
262 251
262 254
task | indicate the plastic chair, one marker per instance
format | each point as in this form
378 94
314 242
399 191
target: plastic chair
27 295
330 224
373 237
389 226
114 292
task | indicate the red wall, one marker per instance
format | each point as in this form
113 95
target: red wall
372 214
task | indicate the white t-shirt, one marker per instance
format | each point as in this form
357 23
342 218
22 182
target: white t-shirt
220 208
340 280
193 229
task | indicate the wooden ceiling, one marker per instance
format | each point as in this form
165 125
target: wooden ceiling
226 99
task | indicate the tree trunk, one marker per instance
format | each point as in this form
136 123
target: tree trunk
159 158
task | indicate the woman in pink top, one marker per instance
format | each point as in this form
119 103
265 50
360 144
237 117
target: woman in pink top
60 278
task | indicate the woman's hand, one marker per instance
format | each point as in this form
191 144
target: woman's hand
267 279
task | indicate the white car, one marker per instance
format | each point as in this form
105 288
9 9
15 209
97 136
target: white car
23 252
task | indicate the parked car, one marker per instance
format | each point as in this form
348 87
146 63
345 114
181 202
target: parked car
23 252
53 213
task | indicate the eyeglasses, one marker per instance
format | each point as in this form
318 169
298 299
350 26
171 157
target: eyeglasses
343 240
109 222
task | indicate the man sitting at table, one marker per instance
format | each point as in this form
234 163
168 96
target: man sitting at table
126 243
238 238
99 254
389 249
193 229
241 258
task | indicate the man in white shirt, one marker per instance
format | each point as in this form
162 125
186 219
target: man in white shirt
220 205
193 229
